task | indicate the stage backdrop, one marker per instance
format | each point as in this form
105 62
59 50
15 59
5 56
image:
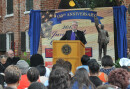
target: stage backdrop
56 22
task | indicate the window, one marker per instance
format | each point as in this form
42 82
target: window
9 6
9 41
3 42
29 5
25 42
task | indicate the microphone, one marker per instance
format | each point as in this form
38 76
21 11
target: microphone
76 35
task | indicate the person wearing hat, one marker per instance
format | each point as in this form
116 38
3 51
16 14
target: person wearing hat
23 66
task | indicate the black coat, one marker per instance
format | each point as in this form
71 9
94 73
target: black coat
79 36
12 61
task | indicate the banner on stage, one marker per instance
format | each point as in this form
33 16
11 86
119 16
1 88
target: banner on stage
49 52
56 22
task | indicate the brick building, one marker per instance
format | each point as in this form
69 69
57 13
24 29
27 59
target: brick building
127 3
14 22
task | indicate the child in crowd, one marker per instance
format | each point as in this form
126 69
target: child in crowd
81 80
84 60
107 64
36 60
12 76
59 79
94 70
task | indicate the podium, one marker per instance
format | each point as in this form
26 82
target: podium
69 50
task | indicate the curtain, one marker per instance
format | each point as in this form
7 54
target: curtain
34 30
120 21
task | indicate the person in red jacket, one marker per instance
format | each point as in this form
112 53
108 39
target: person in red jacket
23 66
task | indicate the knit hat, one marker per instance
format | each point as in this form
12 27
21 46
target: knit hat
23 66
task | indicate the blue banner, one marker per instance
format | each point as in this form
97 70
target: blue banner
76 14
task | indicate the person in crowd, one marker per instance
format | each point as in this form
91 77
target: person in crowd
3 66
84 60
128 65
12 76
107 64
55 66
23 66
119 77
125 67
94 70
36 60
60 61
11 58
74 34
2 80
37 85
107 86
68 66
59 79
42 71
3 63
91 60
33 74
81 80
128 53
103 77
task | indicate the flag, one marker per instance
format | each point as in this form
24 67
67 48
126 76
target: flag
47 15
48 20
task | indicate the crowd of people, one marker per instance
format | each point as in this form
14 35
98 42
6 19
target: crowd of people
18 74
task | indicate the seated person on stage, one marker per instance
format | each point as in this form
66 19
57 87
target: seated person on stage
74 34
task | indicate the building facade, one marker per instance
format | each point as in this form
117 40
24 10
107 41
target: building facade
14 23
